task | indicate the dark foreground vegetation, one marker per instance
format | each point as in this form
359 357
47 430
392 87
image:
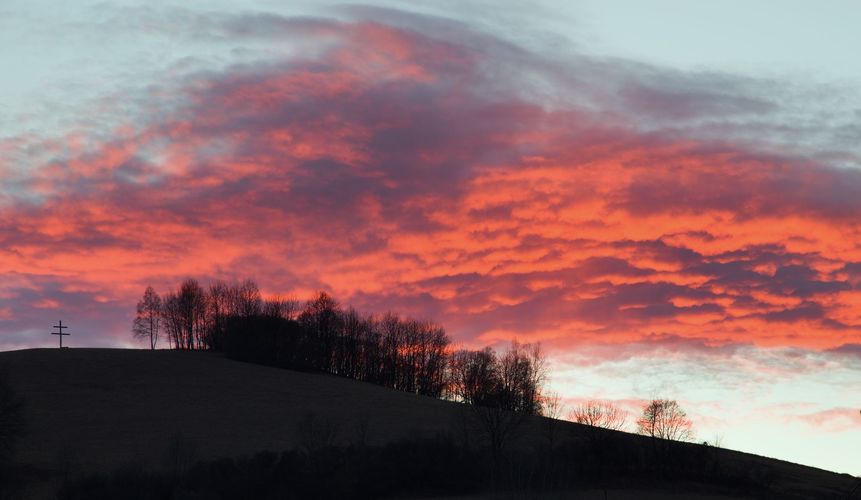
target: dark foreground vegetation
441 466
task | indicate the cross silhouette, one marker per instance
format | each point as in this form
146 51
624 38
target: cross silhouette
60 327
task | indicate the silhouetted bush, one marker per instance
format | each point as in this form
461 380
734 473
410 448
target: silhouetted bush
266 340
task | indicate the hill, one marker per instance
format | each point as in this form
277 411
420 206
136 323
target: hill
92 410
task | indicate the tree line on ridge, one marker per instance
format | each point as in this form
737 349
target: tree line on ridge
386 349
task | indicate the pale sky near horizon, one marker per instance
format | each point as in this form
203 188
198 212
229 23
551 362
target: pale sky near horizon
754 328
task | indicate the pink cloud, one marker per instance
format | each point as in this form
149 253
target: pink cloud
402 169
831 420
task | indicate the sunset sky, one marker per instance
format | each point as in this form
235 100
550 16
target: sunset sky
665 194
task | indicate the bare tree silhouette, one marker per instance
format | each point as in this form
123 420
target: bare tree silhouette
322 319
184 312
473 375
601 418
219 307
147 322
552 409
246 298
599 414
501 391
524 370
665 419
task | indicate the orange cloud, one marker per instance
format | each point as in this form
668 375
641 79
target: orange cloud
401 171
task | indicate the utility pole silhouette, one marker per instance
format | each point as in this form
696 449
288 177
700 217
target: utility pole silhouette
60 329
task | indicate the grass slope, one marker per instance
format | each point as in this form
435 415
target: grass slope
95 409
105 407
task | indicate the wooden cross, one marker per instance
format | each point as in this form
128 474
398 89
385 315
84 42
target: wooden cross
60 327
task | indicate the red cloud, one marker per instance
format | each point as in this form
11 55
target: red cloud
409 171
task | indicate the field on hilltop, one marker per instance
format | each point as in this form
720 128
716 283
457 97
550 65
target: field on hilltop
93 410
104 407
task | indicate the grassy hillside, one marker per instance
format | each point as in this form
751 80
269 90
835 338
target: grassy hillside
103 407
91 410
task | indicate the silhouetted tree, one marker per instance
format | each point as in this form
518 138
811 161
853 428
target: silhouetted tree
173 321
278 307
370 359
146 324
430 357
219 307
599 414
523 370
474 376
601 418
503 392
185 315
391 337
350 349
552 409
322 320
193 299
281 307
665 419
246 298
412 355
